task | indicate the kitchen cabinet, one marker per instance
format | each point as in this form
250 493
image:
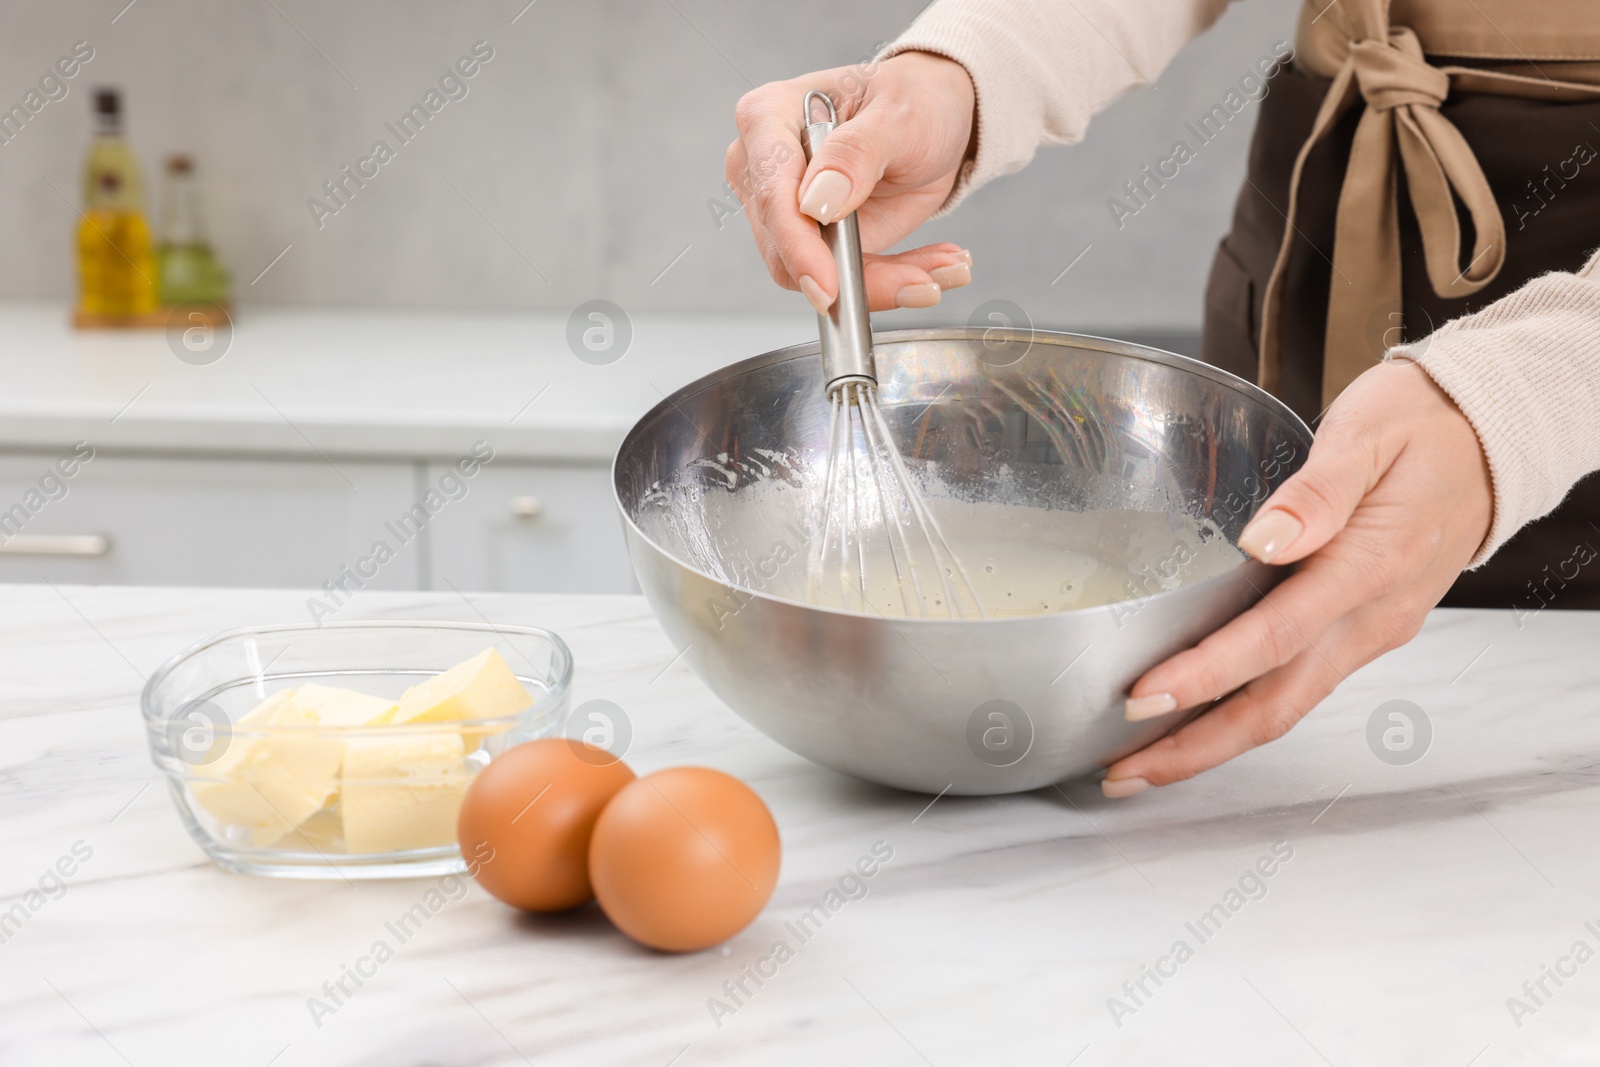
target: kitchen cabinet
152 520
531 529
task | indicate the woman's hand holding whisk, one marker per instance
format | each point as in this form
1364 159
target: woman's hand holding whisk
904 133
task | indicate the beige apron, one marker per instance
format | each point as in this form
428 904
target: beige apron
1376 52
1348 222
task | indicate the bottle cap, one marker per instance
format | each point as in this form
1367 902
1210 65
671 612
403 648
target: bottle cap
108 101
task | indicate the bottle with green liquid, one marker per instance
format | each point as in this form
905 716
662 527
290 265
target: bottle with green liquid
190 271
116 262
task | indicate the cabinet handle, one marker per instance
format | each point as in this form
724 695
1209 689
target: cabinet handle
527 507
56 545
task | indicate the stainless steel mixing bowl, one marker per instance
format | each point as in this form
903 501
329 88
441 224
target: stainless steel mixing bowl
1052 421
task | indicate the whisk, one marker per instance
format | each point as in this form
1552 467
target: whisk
871 510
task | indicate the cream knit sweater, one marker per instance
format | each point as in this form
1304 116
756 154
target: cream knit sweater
1525 370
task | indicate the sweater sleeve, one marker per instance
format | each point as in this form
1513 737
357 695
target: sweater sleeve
1526 372
1042 68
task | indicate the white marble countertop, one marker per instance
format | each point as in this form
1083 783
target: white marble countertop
354 383
1416 901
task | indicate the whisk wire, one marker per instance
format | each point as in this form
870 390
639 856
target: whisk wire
888 482
891 519
817 559
950 565
852 506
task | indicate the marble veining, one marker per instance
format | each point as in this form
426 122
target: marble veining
1414 903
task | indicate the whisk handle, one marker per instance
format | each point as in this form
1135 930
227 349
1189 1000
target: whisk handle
846 329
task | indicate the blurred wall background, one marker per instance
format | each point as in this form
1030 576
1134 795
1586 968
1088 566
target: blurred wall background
581 160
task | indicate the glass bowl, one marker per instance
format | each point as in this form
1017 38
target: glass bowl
320 801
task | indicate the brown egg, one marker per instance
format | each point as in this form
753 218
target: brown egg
526 819
684 858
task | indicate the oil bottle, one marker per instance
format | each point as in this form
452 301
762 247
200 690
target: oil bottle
116 263
190 272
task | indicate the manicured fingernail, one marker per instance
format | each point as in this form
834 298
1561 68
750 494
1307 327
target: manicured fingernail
952 277
1117 788
1270 534
825 196
921 295
967 255
813 292
1149 707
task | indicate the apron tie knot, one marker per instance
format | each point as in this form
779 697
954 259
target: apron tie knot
1394 74
1401 130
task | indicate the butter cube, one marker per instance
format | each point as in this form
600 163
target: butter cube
393 792
332 706
270 783
321 832
402 792
482 687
